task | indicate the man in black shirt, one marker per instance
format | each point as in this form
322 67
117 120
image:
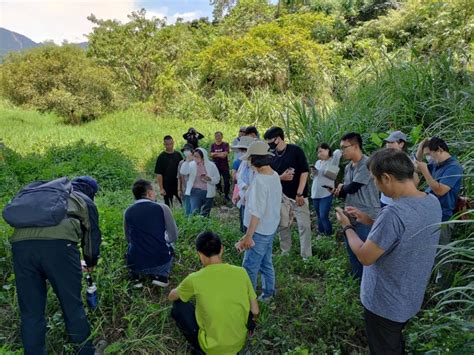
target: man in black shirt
166 170
291 164
192 137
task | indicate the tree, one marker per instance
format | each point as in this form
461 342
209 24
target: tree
128 49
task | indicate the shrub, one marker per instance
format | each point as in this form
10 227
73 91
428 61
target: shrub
59 79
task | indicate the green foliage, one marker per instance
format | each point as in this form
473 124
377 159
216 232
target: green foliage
59 79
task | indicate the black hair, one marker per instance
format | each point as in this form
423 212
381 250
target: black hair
354 138
140 188
274 132
326 147
435 144
393 162
208 243
167 138
260 160
252 130
199 151
219 132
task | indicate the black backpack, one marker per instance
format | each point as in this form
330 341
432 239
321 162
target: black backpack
39 204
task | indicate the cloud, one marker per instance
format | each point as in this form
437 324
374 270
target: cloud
60 20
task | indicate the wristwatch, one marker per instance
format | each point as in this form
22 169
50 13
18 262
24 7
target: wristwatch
299 195
346 228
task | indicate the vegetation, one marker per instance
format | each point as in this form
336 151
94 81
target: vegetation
319 68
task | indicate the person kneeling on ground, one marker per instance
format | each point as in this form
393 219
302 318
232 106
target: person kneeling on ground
150 229
225 302
399 252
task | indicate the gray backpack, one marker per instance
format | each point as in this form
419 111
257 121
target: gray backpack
39 204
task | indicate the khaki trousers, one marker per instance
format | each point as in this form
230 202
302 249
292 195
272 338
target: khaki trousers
303 221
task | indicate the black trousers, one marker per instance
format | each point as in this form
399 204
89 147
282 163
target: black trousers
171 191
57 261
225 176
383 335
184 314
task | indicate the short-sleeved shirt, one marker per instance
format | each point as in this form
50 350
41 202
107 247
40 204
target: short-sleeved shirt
448 173
292 157
167 165
221 163
367 197
223 293
408 231
264 202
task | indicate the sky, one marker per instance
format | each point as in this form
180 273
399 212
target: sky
60 20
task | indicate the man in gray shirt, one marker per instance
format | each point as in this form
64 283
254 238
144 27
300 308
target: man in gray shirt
358 190
399 252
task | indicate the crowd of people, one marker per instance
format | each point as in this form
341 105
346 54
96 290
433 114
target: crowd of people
391 230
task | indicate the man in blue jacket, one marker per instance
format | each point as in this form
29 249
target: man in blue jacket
51 253
150 231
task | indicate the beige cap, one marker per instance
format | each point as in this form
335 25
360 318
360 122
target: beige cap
257 148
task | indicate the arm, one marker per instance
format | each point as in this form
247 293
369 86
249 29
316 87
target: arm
366 252
254 307
91 248
173 295
159 180
199 136
352 188
419 151
437 187
170 224
299 193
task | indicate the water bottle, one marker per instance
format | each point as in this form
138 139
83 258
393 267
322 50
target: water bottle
91 295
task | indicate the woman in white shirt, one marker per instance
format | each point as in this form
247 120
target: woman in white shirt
261 218
321 196
203 177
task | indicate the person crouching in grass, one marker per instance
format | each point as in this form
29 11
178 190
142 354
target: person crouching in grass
399 252
226 303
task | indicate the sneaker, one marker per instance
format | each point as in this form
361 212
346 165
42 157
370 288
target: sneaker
285 253
305 260
136 280
161 281
265 299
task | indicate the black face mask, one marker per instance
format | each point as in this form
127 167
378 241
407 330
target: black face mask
272 145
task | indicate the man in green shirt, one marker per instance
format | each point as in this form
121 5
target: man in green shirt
225 302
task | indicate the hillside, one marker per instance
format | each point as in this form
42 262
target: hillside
12 41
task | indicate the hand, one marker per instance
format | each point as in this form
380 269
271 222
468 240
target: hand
342 218
189 157
300 201
421 166
287 175
180 194
87 268
235 199
247 242
206 178
360 216
162 192
337 190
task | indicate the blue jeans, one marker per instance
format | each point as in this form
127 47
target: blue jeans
259 259
200 203
322 207
187 205
362 231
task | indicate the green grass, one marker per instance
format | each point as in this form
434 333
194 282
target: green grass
317 308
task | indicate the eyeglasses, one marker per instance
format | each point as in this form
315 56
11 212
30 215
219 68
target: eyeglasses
344 147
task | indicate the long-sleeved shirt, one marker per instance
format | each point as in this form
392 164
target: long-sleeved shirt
149 229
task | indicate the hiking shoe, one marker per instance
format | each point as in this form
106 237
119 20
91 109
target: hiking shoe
264 298
161 281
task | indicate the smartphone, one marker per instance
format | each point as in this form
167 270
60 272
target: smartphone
328 187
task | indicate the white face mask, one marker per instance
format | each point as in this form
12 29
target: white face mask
187 153
430 159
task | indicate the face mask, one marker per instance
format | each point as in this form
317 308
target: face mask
430 159
272 145
187 153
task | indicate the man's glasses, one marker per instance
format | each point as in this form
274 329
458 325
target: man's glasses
344 147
